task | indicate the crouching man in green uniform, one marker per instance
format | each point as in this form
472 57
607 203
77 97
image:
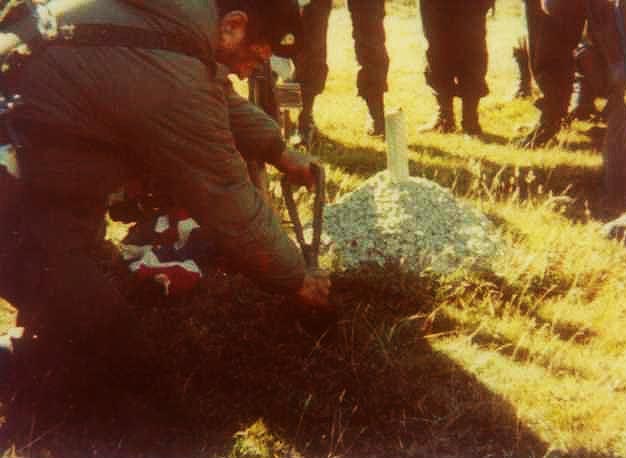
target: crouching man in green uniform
98 112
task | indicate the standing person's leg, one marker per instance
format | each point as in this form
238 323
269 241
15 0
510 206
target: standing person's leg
606 23
614 150
551 41
439 63
311 66
368 31
472 69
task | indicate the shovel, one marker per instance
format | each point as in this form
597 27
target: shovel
310 251
315 322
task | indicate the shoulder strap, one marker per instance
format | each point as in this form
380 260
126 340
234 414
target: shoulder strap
129 37
40 29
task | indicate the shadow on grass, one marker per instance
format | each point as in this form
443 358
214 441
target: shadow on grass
371 386
593 141
489 137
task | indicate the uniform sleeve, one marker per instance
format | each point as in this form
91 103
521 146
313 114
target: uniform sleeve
180 129
257 136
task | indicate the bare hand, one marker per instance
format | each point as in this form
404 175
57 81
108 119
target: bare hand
315 289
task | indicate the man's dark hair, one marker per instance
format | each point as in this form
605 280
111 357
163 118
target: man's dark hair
276 22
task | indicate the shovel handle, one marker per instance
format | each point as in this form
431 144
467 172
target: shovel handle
310 251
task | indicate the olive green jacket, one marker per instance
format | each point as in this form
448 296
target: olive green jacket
165 114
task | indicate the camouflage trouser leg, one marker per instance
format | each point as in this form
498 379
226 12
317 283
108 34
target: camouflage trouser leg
369 43
551 41
473 56
615 149
311 66
457 50
440 53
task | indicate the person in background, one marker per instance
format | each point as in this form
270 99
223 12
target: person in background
456 59
369 43
607 29
551 41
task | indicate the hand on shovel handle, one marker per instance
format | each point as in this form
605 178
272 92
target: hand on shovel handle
315 290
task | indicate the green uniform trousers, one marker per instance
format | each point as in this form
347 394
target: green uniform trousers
457 49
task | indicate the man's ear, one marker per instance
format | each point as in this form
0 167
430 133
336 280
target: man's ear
234 20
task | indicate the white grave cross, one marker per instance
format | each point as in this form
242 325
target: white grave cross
396 137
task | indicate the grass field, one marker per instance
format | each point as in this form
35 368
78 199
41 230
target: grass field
529 361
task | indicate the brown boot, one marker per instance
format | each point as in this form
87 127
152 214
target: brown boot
470 123
306 124
443 122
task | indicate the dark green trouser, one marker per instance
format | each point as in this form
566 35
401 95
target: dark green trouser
369 43
551 41
607 36
311 66
457 48
46 265
368 32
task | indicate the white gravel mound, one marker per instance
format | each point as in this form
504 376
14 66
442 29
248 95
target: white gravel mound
417 225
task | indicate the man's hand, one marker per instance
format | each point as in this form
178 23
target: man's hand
315 289
297 168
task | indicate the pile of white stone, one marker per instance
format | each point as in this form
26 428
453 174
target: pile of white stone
416 225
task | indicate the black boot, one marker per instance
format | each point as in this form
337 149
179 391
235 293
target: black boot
470 123
306 123
376 107
444 120
520 54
